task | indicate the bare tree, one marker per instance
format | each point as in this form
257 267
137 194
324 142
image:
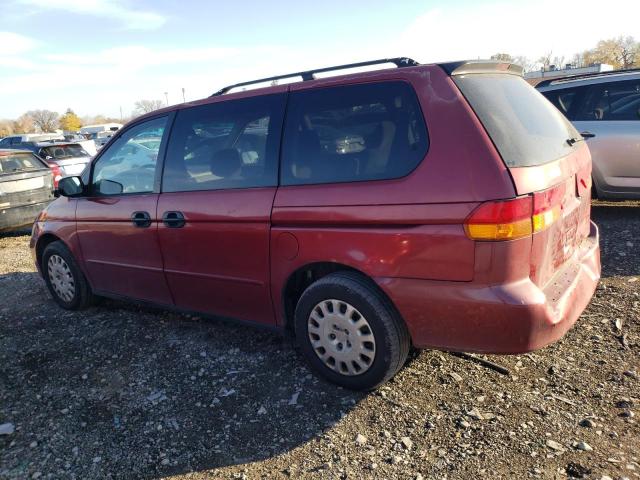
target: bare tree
6 128
545 60
628 52
145 106
558 61
578 60
526 64
44 120
621 52
23 124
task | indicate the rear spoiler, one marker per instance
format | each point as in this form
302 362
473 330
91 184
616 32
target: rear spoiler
480 66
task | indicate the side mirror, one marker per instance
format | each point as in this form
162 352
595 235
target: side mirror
70 187
109 187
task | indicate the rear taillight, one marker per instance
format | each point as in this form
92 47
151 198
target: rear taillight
516 218
57 174
547 207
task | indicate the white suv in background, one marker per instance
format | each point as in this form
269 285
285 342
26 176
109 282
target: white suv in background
605 108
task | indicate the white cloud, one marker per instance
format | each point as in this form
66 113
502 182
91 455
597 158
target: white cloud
107 79
532 29
16 44
113 9
138 56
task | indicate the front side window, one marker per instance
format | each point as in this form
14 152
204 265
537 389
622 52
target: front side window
353 133
224 145
129 164
613 101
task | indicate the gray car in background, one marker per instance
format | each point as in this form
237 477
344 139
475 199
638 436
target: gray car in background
605 109
26 187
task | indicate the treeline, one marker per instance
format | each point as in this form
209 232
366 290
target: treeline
621 52
38 121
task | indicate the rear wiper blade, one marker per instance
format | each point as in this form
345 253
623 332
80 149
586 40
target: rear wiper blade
571 141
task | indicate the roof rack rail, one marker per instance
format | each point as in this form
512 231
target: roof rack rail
309 74
569 77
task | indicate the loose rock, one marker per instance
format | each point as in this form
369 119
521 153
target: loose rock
7 428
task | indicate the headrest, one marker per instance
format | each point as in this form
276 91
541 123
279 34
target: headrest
226 162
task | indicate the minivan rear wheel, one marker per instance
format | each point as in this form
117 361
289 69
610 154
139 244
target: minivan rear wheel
65 281
349 332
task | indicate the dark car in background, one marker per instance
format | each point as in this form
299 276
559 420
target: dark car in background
26 187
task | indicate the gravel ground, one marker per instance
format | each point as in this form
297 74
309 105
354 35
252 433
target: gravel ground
120 391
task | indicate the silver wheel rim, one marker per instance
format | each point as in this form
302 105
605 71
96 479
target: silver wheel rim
341 337
61 278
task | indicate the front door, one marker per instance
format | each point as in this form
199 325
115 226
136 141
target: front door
117 223
219 181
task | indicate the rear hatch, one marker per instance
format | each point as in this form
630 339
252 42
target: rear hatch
24 180
546 157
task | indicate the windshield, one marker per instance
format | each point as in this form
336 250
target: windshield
525 127
64 151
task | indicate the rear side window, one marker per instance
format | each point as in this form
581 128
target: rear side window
19 162
612 101
352 133
526 129
230 144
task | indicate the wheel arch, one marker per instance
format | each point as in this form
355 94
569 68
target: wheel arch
44 240
298 281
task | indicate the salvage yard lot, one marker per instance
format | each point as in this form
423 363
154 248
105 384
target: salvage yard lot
121 391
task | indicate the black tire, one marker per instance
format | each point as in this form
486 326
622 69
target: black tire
82 296
392 340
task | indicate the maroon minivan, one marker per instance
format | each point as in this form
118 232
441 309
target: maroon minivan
441 206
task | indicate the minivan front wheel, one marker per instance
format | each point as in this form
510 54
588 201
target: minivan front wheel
66 283
349 332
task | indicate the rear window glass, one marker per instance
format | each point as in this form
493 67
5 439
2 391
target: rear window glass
353 133
19 162
64 151
525 127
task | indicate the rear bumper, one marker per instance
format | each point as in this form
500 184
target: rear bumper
510 318
20 216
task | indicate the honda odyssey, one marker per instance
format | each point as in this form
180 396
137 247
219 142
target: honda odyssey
436 206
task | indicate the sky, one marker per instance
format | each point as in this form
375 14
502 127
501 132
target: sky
100 56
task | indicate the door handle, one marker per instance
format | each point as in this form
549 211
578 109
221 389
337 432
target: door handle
587 134
141 219
173 219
